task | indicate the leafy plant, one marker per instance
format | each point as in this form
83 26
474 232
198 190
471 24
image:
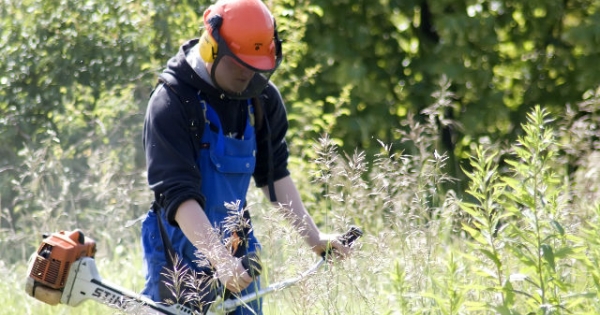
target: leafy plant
536 235
485 225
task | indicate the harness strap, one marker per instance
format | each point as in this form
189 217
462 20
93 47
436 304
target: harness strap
168 247
271 171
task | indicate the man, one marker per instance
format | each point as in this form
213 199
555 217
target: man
200 169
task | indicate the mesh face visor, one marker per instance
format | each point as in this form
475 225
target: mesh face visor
261 76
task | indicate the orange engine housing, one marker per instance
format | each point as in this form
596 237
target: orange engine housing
56 254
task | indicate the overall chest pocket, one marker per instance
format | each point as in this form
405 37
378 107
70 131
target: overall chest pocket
231 155
233 164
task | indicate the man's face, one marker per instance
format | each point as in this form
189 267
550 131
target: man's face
231 76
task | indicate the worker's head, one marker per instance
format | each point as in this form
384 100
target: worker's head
240 46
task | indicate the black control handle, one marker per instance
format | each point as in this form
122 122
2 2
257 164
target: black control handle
251 262
348 238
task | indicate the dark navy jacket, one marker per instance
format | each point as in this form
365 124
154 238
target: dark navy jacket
170 154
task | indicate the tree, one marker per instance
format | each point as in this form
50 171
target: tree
501 57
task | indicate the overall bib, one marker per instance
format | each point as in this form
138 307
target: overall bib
226 165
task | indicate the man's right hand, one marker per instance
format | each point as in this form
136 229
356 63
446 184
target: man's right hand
233 275
197 228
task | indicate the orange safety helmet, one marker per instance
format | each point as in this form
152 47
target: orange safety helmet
246 31
247 28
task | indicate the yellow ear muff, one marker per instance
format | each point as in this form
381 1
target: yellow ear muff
208 47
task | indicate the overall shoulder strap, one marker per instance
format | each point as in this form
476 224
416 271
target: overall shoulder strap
190 103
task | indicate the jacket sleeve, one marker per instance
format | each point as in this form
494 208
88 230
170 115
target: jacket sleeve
275 121
170 157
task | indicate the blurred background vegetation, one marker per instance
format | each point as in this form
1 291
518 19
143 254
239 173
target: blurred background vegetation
429 79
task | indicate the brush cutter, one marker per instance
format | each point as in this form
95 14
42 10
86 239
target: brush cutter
63 271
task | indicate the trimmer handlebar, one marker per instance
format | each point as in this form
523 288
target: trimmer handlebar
251 261
229 305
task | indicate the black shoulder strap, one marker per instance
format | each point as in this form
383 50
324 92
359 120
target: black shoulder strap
270 180
190 102
262 121
168 247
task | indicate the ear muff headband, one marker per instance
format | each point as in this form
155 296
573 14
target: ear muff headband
208 44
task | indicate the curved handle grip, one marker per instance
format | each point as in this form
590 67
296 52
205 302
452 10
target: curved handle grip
348 238
251 262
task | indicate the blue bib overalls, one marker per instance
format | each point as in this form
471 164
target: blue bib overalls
226 165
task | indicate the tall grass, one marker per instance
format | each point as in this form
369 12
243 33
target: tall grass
521 239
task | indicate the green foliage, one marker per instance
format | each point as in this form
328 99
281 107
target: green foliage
67 91
520 224
340 179
523 252
389 102
502 57
539 240
62 48
67 185
355 72
448 292
485 219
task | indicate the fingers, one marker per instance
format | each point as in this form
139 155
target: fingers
330 245
339 251
236 278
